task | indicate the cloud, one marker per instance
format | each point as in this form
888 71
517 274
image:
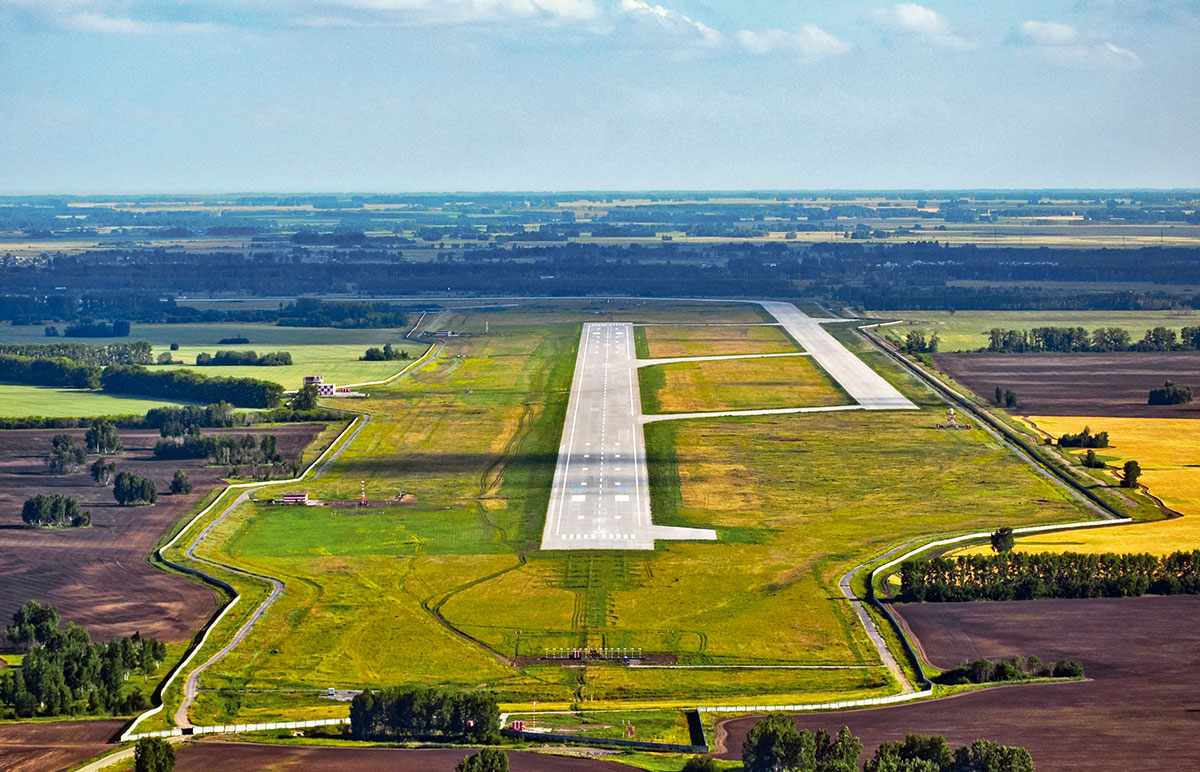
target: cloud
1065 45
123 25
920 23
672 23
810 42
467 11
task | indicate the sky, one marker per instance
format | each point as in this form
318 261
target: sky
211 96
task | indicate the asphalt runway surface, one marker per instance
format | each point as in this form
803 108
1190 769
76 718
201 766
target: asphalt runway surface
601 493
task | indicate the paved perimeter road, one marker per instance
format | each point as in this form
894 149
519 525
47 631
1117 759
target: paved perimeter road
600 498
862 383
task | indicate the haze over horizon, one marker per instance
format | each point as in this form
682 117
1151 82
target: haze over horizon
124 96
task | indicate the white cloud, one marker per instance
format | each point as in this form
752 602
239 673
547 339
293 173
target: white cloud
671 22
810 42
471 11
921 23
1065 45
123 25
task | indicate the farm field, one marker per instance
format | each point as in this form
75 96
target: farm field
1167 450
324 351
252 757
967 330
55 745
737 384
664 342
1139 701
98 577
1079 384
19 401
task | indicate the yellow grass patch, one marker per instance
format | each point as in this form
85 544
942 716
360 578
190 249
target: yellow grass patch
739 384
1168 450
716 341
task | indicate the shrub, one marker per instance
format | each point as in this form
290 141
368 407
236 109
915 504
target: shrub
1170 394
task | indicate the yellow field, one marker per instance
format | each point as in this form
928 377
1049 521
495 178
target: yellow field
667 342
1168 450
740 384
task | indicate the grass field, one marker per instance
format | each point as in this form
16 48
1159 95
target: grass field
1167 450
324 351
967 330
18 400
737 384
664 342
441 590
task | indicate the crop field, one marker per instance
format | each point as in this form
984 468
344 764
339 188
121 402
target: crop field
54 745
98 577
664 342
1079 384
18 401
737 384
967 330
1138 703
1167 450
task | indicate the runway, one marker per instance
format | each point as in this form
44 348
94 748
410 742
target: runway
601 493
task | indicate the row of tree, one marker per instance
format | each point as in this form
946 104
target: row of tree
916 343
54 511
119 328
190 386
775 744
1071 339
223 449
1170 394
419 713
102 355
244 358
1085 439
386 354
1026 576
65 673
984 671
59 372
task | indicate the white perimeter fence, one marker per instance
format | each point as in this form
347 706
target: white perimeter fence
231 728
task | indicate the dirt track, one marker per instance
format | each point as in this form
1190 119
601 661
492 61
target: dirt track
98 577
54 746
1139 711
1080 384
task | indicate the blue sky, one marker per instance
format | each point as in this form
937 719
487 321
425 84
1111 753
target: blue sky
419 95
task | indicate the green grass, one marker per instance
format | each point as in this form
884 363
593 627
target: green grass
737 384
685 341
324 351
967 330
438 591
18 401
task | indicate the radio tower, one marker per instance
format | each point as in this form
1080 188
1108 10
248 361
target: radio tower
362 501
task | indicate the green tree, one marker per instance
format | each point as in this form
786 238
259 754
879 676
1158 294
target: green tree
102 437
987 756
153 754
103 471
1010 398
776 745
65 456
838 753
999 396
180 482
1091 462
1003 540
305 398
1130 474
487 760
129 489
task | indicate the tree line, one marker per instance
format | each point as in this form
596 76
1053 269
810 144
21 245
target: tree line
190 386
1077 339
419 713
244 358
1085 439
986 671
132 353
119 328
223 449
1027 576
775 744
277 415
58 372
54 511
386 354
65 673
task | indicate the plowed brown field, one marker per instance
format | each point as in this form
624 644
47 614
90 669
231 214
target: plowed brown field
244 757
98 577
1080 384
53 746
1139 711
